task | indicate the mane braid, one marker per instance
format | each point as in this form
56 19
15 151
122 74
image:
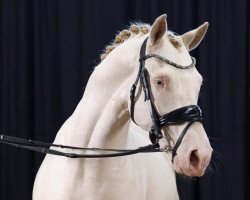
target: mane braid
133 30
122 36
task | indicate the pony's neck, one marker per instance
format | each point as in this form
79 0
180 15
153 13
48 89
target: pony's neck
112 127
103 108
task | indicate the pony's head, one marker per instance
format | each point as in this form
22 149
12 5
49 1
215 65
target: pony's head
172 88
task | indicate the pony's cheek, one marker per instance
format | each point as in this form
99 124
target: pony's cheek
162 92
166 88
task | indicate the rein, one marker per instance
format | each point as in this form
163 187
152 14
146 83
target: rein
43 147
190 114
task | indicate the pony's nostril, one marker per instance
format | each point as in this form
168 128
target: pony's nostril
194 158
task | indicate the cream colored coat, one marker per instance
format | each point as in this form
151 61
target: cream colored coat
102 119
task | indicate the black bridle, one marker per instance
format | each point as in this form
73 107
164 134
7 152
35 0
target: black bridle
188 114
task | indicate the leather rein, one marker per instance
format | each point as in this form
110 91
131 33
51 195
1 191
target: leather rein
188 114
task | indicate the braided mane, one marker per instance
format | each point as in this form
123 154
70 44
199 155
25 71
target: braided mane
133 30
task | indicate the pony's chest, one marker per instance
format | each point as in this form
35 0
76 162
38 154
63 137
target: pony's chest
142 176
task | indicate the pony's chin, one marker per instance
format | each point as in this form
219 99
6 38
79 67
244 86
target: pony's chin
198 173
190 172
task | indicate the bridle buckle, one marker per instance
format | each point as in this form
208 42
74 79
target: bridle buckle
154 135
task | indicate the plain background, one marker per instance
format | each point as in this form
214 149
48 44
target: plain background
48 49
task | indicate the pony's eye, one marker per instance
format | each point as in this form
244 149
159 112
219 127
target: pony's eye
159 83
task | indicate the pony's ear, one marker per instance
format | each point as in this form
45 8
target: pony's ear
158 29
192 38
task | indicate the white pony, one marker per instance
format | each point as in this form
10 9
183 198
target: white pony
102 119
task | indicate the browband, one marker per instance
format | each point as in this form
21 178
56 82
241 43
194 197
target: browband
169 61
